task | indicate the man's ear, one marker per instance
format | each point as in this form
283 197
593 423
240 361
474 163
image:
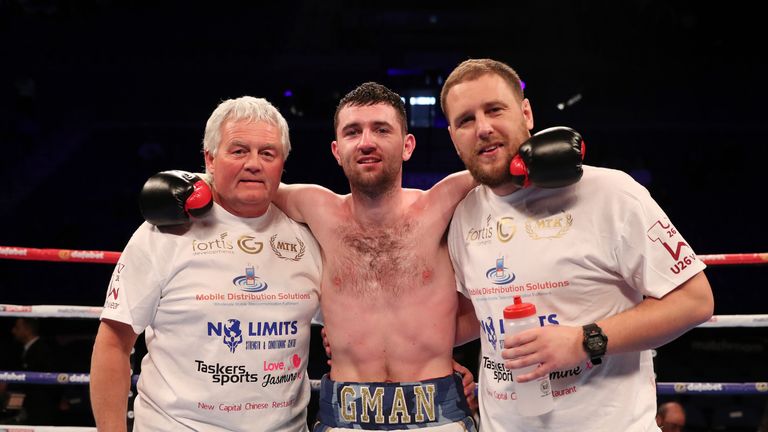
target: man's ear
335 151
453 141
409 146
208 162
527 113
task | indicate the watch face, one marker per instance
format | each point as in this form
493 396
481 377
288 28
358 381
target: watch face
595 343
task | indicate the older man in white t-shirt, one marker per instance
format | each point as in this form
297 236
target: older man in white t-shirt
225 303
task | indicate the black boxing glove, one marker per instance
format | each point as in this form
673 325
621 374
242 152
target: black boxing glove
550 158
170 197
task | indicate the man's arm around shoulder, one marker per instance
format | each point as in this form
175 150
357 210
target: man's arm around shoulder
451 190
299 201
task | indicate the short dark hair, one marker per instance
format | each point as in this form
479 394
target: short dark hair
372 93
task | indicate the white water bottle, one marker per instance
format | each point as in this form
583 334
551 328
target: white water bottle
533 397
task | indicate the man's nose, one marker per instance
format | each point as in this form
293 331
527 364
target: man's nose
253 162
366 142
484 128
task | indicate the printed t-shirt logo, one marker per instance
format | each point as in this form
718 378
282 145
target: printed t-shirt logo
254 335
552 227
498 274
490 332
287 250
663 232
233 336
249 282
505 229
216 246
114 288
481 234
248 244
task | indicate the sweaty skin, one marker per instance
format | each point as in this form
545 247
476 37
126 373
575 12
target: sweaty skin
389 298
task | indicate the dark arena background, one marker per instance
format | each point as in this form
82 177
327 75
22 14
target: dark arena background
98 95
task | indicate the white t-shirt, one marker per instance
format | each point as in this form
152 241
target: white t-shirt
226 309
579 254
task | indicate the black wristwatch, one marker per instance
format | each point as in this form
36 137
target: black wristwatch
595 343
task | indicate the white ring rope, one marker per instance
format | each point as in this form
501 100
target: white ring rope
736 321
665 388
63 311
47 311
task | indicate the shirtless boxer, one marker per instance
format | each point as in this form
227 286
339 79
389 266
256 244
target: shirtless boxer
388 293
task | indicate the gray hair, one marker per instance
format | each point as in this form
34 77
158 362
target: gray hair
246 108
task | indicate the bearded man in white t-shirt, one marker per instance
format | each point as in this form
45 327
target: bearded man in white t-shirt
609 274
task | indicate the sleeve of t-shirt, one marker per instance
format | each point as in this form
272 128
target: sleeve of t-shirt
653 256
135 288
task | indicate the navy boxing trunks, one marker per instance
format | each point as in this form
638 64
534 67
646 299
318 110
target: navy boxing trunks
392 406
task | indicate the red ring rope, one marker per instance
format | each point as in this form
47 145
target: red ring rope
61 255
745 258
67 255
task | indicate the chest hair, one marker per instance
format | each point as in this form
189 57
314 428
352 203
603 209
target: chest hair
379 260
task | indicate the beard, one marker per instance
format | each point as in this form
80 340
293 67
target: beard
371 184
492 174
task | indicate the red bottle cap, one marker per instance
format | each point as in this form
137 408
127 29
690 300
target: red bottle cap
519 309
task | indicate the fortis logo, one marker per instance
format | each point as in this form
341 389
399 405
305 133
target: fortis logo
219 245
482 234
